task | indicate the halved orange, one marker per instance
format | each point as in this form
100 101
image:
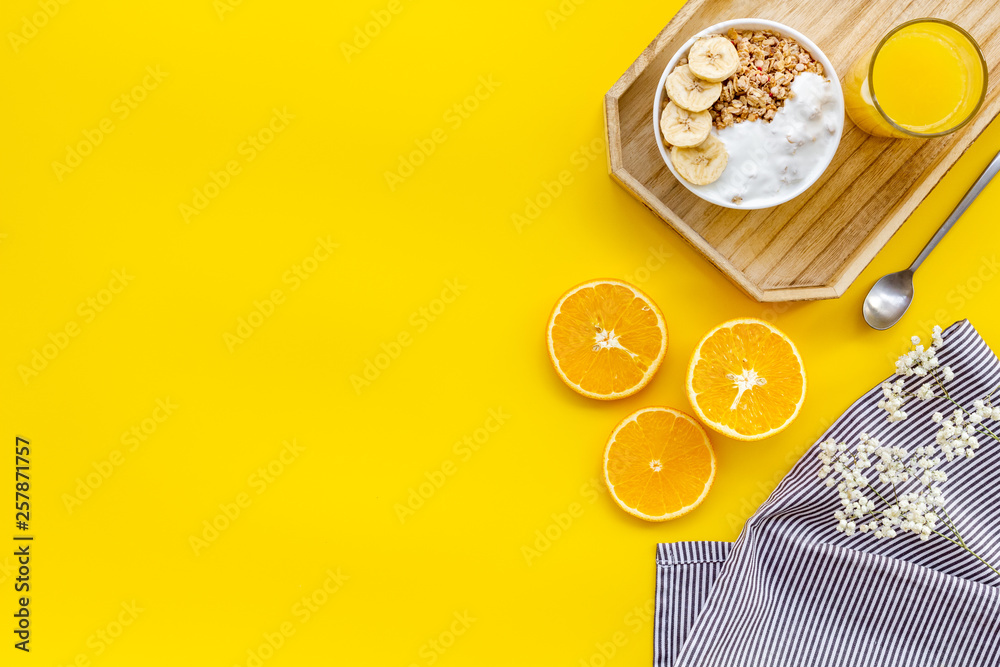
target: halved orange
659 464
746 379
606 339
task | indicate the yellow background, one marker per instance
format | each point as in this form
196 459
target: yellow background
334 506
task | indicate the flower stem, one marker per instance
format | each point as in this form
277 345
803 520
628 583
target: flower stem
993 391
982 428
951 525
969 550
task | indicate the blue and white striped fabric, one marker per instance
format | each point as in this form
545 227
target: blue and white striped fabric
793 591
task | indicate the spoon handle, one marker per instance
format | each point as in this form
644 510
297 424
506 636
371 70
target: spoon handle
970 196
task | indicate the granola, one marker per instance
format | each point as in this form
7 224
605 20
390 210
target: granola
769 62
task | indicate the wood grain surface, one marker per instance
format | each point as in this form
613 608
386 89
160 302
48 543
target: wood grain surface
814 246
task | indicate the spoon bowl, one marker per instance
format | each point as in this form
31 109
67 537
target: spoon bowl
888 299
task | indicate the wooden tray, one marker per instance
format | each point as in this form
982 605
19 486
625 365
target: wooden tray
814 246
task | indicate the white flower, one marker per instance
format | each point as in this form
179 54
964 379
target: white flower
936 340
887 489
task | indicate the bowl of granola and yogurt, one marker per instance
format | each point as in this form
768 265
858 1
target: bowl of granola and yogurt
748 114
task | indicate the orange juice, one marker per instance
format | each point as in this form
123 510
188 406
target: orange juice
925 78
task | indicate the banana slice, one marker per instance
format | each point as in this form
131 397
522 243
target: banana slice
701 164
689 92
681 127
713 58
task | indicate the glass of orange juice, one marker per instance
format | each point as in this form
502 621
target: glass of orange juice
926 78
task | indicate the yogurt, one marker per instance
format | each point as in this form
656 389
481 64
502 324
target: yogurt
767 160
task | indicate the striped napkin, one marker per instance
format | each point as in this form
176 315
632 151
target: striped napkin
793 591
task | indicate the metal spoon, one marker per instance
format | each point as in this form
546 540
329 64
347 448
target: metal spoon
889 298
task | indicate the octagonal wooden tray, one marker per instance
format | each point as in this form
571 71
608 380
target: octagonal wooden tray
814 246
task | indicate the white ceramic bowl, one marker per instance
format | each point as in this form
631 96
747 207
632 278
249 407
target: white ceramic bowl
818 168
